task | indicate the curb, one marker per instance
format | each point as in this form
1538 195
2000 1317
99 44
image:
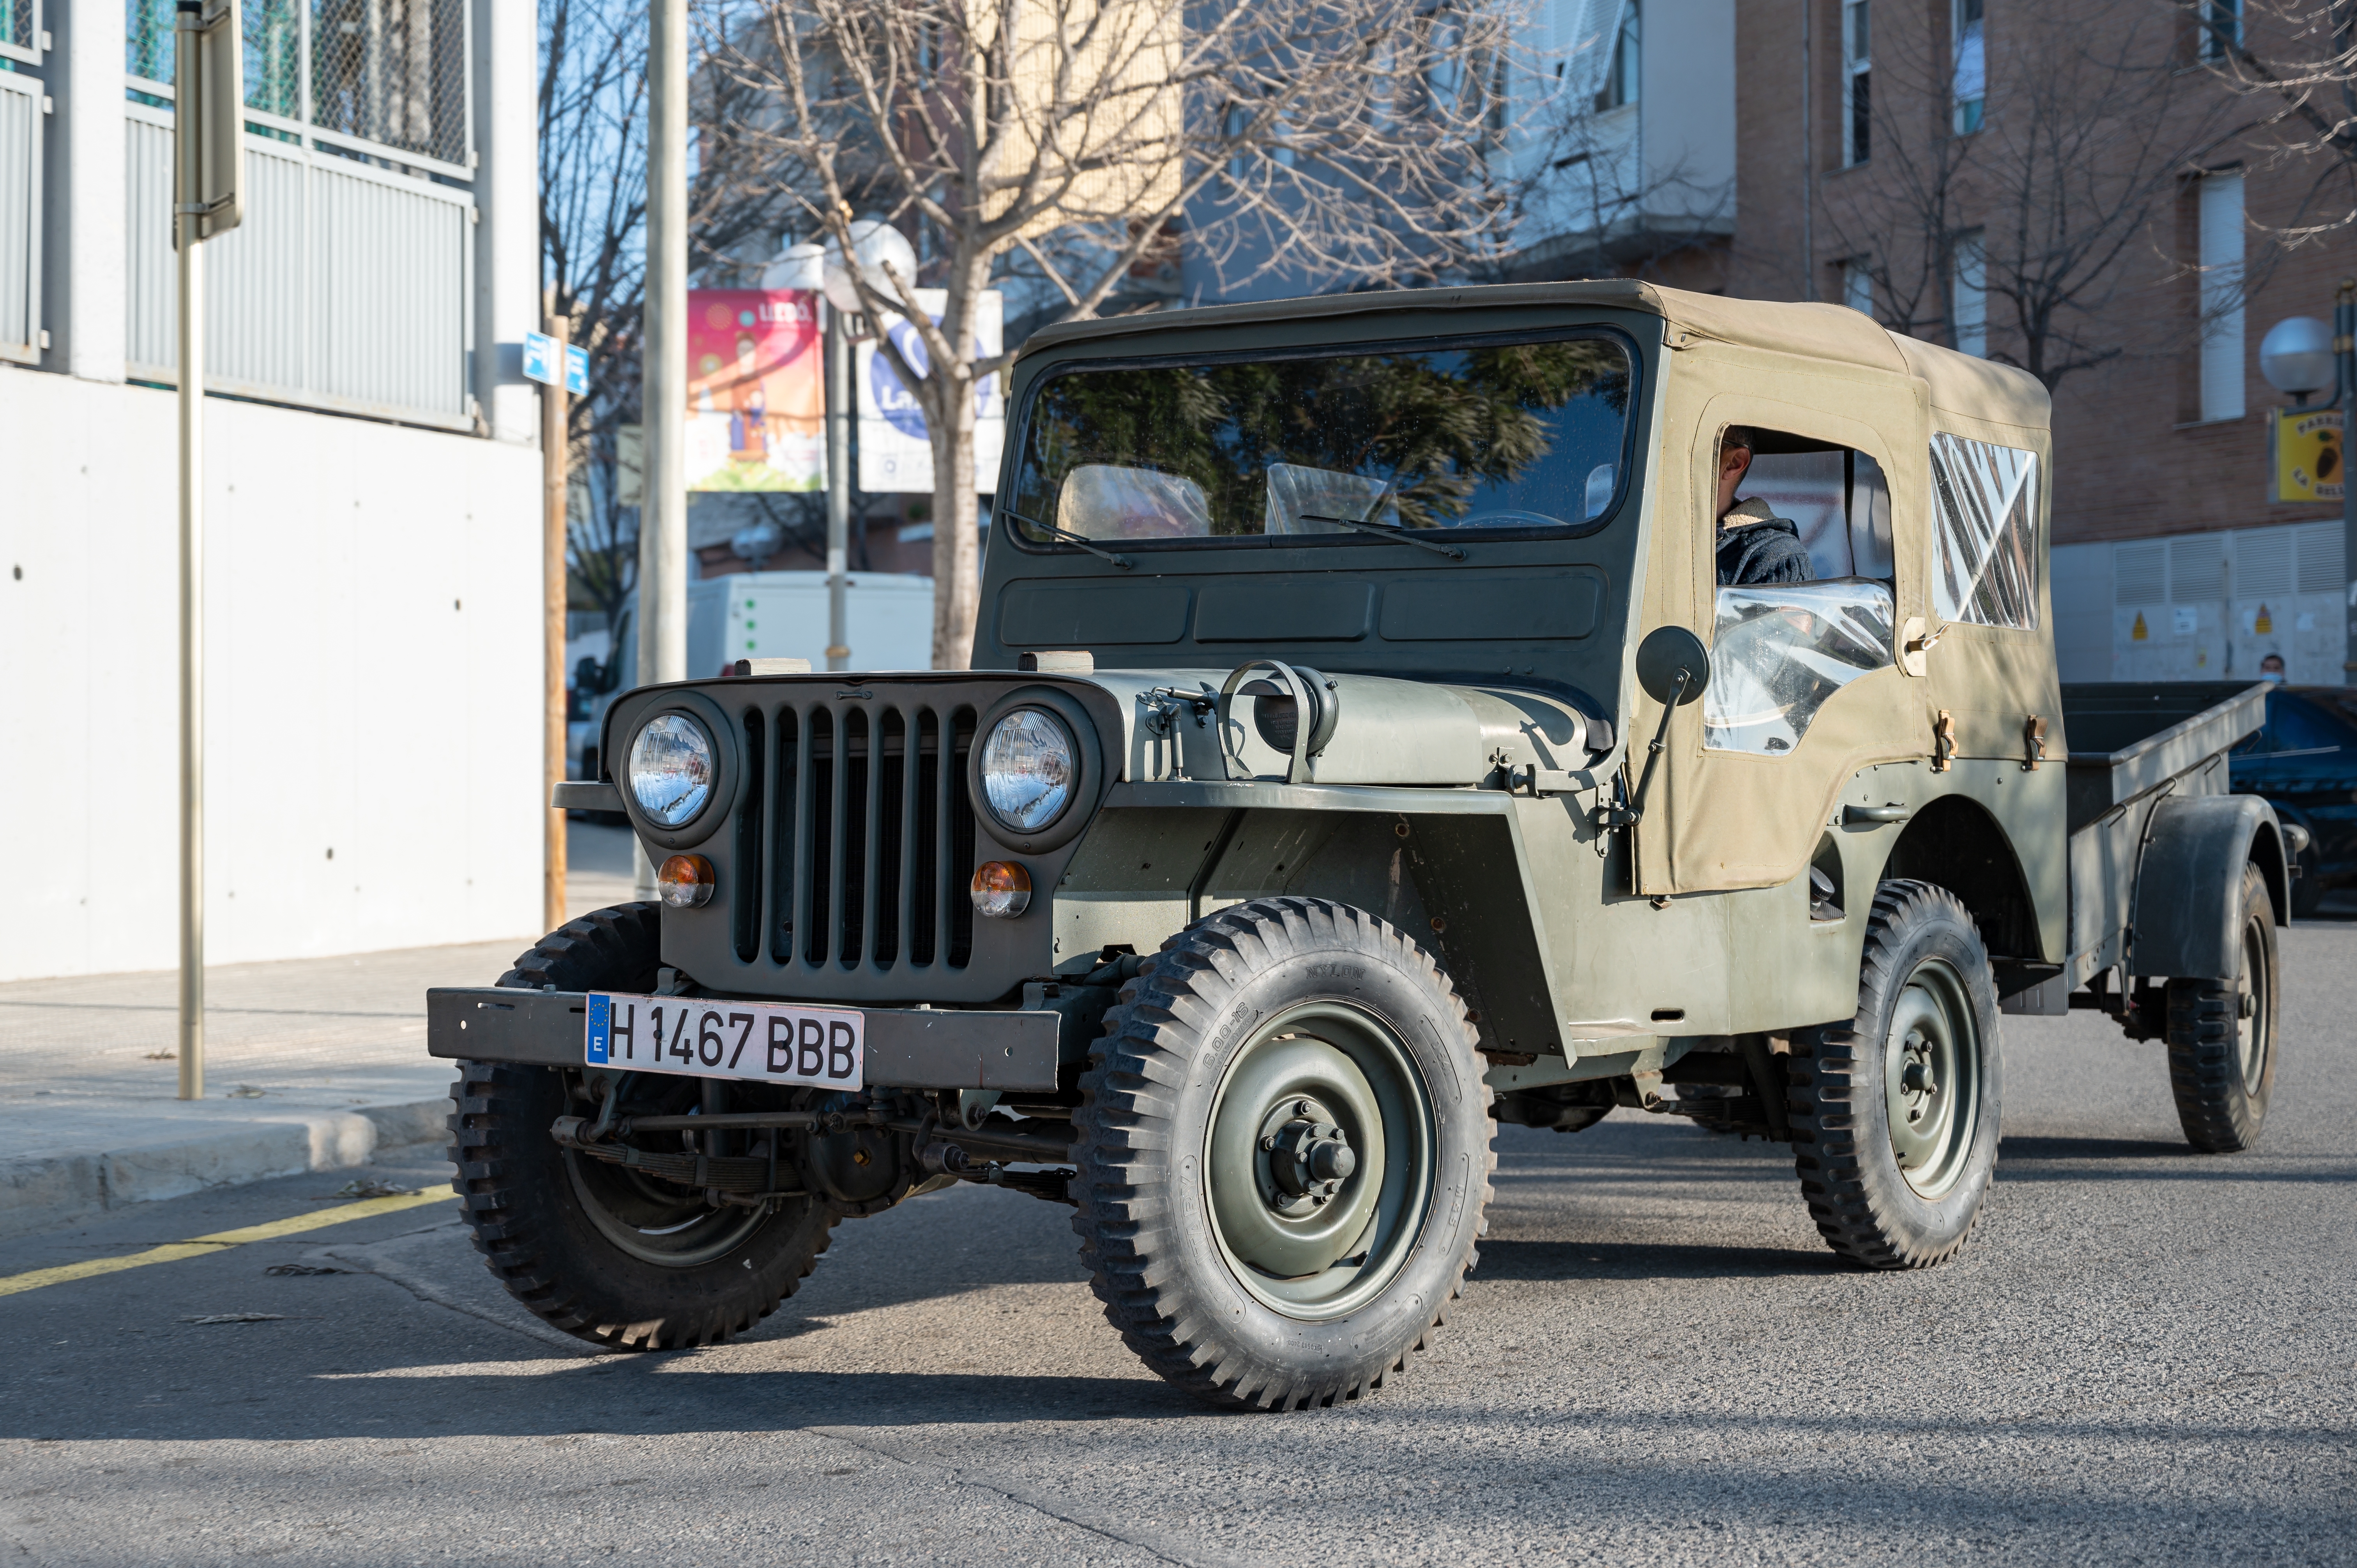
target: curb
44 1194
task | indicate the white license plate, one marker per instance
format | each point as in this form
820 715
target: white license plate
701 1037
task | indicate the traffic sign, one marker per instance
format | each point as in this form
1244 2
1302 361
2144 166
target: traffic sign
540 359
539 364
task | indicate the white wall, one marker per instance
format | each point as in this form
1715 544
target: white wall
2202 606
372 600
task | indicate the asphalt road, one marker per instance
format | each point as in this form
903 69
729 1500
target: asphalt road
2145 1356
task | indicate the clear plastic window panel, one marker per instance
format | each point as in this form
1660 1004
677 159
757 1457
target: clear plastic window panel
1780 650
1985 510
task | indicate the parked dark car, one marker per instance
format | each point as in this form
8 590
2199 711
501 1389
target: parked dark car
2305 763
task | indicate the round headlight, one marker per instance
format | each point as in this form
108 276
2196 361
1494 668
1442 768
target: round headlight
671 771
1029 770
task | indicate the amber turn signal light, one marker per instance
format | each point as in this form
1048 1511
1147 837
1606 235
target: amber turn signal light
686 881
1001 889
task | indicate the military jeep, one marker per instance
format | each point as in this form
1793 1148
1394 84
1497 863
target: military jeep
1360 747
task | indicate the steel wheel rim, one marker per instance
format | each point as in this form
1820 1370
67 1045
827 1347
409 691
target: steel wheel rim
1320 1261
1931 1077
669 1229
2251 1042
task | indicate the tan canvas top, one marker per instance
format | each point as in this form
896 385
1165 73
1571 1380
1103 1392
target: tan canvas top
1959 383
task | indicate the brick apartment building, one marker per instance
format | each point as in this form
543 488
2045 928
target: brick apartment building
1939 163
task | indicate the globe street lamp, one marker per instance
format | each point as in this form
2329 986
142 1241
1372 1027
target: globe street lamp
2296 357
2299 356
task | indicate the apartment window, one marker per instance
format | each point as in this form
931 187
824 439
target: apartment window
1858 288
1628 51
1858 82
1970 48
2221 196
2222 28
1968 294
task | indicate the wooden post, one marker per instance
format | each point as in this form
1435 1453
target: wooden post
553 448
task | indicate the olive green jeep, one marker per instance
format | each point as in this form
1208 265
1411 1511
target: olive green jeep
1360 746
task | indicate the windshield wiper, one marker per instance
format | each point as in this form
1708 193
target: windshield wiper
1386 530
1066 536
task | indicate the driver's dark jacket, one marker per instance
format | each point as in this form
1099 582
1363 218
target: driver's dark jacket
1754 545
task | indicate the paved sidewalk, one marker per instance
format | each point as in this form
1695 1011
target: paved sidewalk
311 1064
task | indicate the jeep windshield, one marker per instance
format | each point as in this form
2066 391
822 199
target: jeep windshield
1520 436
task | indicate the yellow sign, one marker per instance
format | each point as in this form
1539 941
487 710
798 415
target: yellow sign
2138 634
2306 455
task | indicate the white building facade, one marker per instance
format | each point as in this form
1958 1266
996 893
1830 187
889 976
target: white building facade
2202 607
372 581
1620 134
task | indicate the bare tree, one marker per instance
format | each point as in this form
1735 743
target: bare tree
2054 199
592 114
1322 141
2294 63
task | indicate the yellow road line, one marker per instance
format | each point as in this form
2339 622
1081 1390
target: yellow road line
203 1246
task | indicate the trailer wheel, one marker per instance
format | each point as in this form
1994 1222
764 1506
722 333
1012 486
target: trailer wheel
1284 1150
1895 1114
2222 1036
597 1249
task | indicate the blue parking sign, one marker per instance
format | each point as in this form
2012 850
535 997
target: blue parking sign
540 359
576 370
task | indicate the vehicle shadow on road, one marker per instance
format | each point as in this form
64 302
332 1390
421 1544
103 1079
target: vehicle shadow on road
2148 1159
658 1394
2018 1148
1555 1261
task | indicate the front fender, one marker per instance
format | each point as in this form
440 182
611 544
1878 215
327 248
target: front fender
2189 884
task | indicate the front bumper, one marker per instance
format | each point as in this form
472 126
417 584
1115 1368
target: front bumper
907 1047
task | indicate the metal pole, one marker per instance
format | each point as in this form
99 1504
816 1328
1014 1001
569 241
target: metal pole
553 451
662 513
1808 158
838 487
2344 356
187 143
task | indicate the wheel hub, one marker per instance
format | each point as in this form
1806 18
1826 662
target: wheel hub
1308 1158
1919 1080
1931 1077
1317 1159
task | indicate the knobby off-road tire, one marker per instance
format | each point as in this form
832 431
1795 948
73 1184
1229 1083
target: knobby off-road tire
1895 1114
1236 1066
595 1250
2221 1035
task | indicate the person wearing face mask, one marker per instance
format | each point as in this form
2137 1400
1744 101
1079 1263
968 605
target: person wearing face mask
2271 668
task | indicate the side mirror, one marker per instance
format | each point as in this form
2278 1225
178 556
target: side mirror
1668 654
1673 666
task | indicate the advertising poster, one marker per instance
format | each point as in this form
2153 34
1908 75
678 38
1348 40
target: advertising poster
895 453
2307 457
756 391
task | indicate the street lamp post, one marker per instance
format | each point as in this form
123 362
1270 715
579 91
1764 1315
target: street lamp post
2299 356
2344 362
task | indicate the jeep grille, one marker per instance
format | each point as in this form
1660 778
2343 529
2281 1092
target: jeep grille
858 814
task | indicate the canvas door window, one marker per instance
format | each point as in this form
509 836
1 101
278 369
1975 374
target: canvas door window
1803 681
